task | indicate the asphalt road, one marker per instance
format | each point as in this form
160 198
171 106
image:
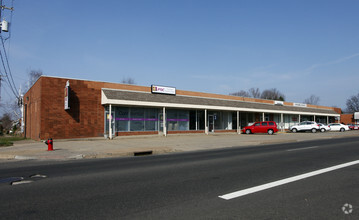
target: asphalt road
189 185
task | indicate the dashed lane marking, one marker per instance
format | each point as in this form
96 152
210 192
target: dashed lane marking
304 148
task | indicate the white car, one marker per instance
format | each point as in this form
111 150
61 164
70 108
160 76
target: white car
305 126
324 127
338 127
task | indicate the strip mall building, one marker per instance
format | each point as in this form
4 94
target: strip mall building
62 108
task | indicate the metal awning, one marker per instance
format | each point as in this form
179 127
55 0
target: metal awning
147 99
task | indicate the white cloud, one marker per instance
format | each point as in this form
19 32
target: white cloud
337 61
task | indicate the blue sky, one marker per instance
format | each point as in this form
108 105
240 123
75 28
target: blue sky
217 46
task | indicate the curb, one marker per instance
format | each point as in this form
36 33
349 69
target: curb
18 157
77 157
7 157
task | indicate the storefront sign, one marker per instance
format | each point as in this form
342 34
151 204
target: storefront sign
299 105
163 90
67 95
278 103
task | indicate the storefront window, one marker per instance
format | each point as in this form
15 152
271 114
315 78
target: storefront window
201 120
151 121
134 119
192 120
183 120
177 120
290 120
122 119
137 119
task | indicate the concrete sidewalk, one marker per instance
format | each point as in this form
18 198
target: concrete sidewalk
129 145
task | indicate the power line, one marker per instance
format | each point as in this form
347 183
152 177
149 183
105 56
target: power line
7 75
7 62
6 66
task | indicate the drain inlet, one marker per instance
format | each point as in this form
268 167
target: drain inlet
142 153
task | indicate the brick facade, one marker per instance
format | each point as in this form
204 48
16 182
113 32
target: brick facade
45 116
347 119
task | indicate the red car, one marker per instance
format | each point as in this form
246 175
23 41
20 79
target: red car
269 127
353 127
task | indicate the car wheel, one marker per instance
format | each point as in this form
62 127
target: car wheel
342 130
270 132
248 131
294 130
314 130
322 130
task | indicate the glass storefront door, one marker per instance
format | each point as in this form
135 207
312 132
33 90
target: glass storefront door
160 122
211 123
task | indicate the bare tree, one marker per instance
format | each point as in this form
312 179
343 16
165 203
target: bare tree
241 93
272 94
254 92
353 103
128 80
6 121
33 75
313 100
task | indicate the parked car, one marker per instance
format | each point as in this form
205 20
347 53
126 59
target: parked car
305 126
353 127
323 127
338 127
269 127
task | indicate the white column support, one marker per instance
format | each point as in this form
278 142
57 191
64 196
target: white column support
281 122
196 120
314 117
327 119
299 119
164 122
238 128
205 122
110 123
263 119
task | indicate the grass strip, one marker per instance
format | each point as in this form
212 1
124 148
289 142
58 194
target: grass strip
9 141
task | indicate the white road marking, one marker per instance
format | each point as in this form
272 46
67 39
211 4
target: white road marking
305 148
21 182
284 181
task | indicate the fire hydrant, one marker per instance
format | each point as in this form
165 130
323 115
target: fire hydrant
49 144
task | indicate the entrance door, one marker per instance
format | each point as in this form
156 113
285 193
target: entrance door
211 123
160 122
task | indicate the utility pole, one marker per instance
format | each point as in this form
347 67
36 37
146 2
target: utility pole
21 105
4 23
0 86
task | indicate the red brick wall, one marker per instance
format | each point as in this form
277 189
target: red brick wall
32 111
347 119
85 117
